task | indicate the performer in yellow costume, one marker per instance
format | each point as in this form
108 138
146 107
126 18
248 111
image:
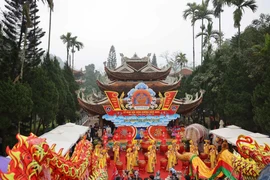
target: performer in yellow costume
102 161
213 155
116 149
206 146
175 148
150 168
129 156
97 150
170 156
153 149
193 148
136 148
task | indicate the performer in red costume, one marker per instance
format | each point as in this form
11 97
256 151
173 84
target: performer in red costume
129 138
116 136
105 139
163 140
145 135
178 137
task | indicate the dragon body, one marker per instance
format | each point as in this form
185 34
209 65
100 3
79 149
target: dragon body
251 157
33 159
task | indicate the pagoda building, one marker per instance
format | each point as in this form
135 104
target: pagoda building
131 73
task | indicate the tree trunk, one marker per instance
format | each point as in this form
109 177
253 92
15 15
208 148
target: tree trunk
239 49
193 32
44 127
35 30
31 122
23 53
34 122
38 128
202 44
72 57
49 35
67 56
219 29
21 32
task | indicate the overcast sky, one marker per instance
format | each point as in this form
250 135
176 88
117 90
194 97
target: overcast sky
141 26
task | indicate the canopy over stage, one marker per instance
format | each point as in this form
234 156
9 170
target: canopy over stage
231 133
65 136
261 139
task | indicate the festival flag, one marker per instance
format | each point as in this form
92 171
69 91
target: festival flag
169 97
113 98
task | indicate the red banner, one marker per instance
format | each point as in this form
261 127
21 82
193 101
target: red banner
113 98
169 96
110 111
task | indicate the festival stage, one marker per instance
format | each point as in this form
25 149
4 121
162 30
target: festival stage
144 174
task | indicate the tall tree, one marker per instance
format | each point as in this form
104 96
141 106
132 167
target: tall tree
67 40
154 60
45 98
181 59
75 44
51 6
203 13
15 102
33 53
218 9
111 60
91 75
20 36
73 87
190 12
240 6
208 35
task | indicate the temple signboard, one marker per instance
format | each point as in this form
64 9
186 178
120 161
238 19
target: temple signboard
141 107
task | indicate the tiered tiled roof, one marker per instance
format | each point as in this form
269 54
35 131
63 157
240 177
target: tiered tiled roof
138 69
126 86
133 71
186 105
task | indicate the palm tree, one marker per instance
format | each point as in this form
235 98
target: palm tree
218 9
51 5
181 59
192 7
203 13
67 40
238 13
75 44
209 33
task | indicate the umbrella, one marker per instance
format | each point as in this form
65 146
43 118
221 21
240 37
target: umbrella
4 164
195 132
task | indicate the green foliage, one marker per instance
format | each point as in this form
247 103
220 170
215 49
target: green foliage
237 89
112 61
91 75
45 96
16 27
261 94
72 103
67 40
75 44
15 102
154 60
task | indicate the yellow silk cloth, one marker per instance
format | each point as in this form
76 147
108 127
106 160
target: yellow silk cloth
224 160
